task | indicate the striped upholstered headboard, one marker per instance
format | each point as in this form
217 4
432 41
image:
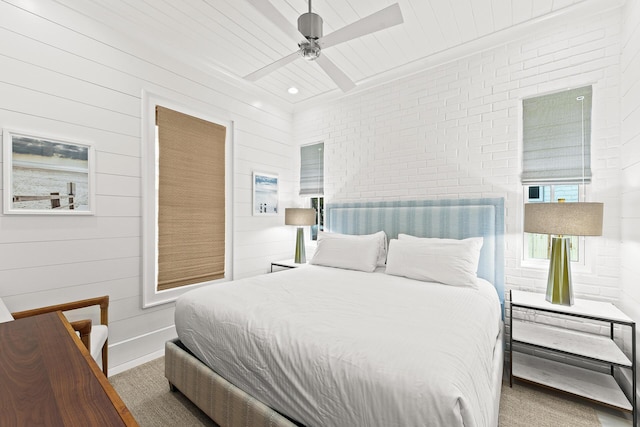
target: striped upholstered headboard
452 218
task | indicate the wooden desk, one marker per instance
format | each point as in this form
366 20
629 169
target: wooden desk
48 378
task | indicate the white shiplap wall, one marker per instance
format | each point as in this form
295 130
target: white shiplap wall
453 131
630 163
65 75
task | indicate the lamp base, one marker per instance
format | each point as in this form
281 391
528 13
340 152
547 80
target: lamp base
300 257
559 288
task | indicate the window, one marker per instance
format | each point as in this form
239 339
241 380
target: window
318 204
538 246
187 209
556 158
191 199
557 138
312 169
312 181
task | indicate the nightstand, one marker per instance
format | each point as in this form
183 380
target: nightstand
539 327
284 264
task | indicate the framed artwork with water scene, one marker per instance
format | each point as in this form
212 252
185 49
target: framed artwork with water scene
265 194
45 175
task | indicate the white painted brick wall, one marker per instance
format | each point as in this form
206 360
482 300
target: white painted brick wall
454 131
630 162
630 159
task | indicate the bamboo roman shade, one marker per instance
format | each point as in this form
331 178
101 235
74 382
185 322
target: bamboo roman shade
191 199
557 138
312 170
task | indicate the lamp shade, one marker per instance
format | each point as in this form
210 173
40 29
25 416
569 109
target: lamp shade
299 216
570 219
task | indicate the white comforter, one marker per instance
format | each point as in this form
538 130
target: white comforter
332 347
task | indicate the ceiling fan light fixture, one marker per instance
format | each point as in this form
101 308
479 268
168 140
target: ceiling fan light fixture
310 25
309 50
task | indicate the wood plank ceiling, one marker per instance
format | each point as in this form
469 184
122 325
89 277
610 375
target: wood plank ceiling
232 37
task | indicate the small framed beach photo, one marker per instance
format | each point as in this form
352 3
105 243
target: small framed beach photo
45 175
265 194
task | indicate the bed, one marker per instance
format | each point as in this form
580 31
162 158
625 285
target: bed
322 345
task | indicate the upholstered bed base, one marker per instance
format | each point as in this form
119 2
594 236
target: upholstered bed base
229 406
223 402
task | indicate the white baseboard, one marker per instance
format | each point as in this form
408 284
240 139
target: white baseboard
136 362
135 351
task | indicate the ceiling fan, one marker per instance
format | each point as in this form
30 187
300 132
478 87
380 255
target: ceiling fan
310 26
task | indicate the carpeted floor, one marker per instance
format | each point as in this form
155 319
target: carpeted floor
146 393
523 405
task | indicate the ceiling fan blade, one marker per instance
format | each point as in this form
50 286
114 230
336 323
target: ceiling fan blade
385 18
272 14
341 79
267 69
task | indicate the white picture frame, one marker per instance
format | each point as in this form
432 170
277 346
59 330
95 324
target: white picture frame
46 175
265 194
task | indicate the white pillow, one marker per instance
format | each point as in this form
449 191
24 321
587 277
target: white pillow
347 251
380 237
448 261
438 240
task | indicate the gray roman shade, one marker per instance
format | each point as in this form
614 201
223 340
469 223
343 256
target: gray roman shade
312 170
557 138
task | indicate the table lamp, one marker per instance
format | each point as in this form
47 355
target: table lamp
300 217
562 219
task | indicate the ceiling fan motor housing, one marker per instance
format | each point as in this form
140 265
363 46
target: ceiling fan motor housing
310 25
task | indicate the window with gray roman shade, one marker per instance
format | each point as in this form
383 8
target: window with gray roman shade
312 169
557 138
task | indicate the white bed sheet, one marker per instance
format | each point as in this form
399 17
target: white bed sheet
333 347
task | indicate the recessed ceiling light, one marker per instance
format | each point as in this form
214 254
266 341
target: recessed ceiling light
292 90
